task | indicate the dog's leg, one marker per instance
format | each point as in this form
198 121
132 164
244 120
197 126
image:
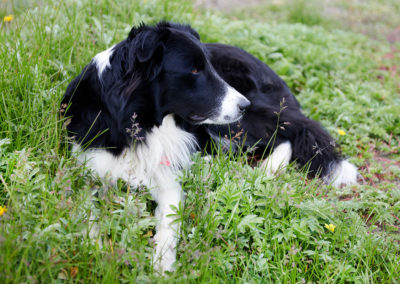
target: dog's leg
341 173
279 158
167 193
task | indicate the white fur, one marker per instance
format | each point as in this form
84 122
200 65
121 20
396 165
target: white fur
343 173
168 193
156 164
102 60
137 164
229 110
279 158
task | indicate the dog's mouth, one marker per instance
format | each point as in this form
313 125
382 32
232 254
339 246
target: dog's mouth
202 119
197 118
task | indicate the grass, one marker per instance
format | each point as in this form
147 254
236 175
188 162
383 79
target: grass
237 225
370 17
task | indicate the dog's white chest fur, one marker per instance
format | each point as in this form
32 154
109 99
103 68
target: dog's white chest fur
167 148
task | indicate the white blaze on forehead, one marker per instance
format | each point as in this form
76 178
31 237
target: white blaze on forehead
102 60
229 110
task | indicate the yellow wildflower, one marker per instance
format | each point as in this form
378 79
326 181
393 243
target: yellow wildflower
330 227
8 18
3 209
341 132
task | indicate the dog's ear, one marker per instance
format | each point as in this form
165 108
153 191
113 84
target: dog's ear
147 43
143 57
182 27
146 46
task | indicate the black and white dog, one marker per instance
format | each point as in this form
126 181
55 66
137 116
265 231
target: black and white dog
140 109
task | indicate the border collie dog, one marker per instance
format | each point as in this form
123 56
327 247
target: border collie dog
140 109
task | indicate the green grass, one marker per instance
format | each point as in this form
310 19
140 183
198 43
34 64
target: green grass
237 225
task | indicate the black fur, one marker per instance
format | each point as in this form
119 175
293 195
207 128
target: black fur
274 115
150 77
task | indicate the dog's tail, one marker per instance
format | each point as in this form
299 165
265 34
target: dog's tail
315 150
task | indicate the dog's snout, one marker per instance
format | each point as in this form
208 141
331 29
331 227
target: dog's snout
232 107
243 105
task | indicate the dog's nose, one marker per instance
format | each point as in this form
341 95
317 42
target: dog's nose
243 105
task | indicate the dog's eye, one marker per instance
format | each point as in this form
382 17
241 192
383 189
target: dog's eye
195 71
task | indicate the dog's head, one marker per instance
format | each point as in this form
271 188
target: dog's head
158 70
171 58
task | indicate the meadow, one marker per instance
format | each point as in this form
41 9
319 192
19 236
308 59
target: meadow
237 224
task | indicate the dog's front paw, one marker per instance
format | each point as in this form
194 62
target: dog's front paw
165 252
164 259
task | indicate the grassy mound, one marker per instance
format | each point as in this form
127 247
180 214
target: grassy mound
238 225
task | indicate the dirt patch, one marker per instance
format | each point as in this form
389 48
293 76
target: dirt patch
394 36
226 5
